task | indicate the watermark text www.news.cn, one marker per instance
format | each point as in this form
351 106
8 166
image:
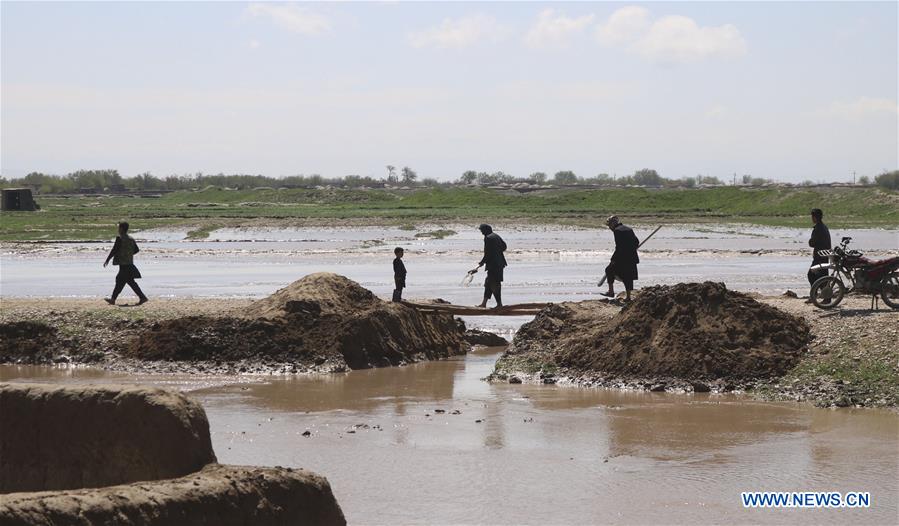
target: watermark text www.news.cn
805 499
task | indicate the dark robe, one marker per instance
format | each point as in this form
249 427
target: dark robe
624 259
820 240
494 260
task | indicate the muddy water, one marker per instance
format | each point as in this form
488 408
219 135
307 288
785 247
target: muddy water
525 454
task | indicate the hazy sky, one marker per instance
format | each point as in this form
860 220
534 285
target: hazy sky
791 91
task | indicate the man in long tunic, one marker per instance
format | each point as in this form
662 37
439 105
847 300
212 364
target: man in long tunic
624 261
495 262
122 255
820 240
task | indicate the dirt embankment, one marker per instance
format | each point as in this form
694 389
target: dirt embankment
220 495
87 331
322 318
694 335
323 322
84 437
111 454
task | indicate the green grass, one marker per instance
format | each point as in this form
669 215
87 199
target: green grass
202 232
94 217
437 234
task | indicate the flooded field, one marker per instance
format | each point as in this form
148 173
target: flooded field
545 263
433 443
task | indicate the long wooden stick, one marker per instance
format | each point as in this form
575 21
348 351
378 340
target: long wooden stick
523 309
603 280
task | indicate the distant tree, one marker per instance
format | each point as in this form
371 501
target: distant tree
148 181
648 177
865 180
888 180
485 178
689 182
501 177
603 179
409 175
538 177
565 177
430 181
468 177
391 173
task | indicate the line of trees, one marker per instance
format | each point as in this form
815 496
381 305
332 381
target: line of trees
111 180
888 180
644 177
94 180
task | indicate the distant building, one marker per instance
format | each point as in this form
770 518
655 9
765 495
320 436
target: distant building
17 199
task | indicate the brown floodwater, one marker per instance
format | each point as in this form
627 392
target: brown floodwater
533 454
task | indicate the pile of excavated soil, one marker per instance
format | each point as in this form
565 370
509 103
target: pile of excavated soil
322 292
320 318
26 341
688 331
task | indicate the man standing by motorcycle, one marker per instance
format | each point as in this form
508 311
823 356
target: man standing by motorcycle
820 240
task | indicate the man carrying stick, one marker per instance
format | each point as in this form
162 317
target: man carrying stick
624 260
495 261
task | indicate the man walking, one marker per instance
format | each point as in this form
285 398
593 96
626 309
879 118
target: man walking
624 260
820 240
122 255
495 262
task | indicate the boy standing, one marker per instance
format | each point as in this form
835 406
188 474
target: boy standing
399 274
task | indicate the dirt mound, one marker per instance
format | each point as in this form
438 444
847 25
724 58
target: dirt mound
54 437
320 318
688 331
210 338
328 293
26 342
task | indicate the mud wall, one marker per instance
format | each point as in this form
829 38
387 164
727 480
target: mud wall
57 438
217 495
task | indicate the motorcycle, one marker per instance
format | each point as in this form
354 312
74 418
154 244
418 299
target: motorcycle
851 272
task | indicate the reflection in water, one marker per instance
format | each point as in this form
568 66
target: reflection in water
540 454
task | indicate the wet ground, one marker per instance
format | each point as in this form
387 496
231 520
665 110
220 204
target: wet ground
513 454
395 451
545 263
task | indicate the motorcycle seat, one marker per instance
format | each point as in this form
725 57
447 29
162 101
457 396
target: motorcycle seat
881 262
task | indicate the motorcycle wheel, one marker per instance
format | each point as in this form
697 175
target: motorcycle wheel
827 292
889 290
